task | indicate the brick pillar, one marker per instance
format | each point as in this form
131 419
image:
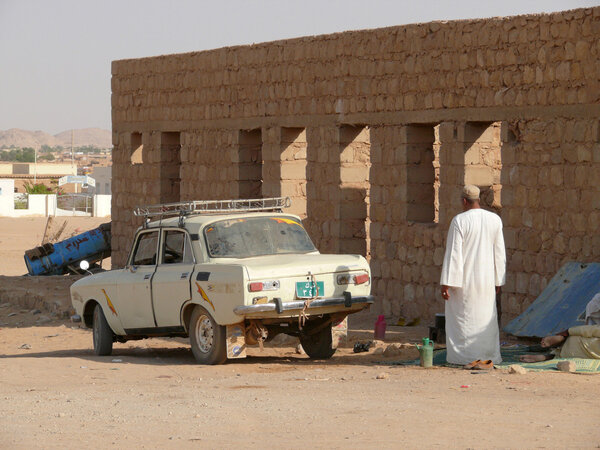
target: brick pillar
452 170
271 170
352 225
293 167
322 186
387 215
250 163
170 166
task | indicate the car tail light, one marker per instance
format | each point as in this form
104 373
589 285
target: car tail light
258 286
361 279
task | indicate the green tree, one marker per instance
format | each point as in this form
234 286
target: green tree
47 149
27 155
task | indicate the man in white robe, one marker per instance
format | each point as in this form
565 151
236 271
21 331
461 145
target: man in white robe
473 271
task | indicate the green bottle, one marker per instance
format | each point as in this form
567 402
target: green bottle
426 353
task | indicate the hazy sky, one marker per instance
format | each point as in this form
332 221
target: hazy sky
55 54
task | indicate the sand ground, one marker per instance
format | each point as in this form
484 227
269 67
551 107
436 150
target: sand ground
55 393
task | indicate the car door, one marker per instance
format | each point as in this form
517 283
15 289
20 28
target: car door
171 282
134 287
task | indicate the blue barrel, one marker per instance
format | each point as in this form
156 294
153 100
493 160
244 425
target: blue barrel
64 257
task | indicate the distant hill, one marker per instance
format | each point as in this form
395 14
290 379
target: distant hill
95 137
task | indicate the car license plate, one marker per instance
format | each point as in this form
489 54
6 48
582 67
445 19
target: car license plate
307 289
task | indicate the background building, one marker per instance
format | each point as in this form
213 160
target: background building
46 173
103 177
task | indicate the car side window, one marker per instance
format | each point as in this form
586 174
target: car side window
177 248
145 251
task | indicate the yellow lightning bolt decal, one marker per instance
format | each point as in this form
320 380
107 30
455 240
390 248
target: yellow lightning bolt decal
284 220
110 305
204 296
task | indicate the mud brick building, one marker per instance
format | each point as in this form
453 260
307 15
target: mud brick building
373 134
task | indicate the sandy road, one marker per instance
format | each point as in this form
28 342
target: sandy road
151 394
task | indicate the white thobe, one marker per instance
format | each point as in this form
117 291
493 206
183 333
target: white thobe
474 264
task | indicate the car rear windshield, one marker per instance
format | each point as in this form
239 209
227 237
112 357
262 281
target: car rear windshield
257 236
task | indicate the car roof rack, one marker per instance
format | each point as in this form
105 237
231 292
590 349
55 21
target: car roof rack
196 207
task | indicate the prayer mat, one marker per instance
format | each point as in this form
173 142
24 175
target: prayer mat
510 355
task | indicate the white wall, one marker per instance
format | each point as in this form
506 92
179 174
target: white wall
7 197
37 206
102 205
45 205
39 168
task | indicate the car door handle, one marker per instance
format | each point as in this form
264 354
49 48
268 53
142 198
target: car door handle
184 275
147 276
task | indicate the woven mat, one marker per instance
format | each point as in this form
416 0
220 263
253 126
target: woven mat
510 355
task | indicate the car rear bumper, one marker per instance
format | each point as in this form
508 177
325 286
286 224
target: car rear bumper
317 306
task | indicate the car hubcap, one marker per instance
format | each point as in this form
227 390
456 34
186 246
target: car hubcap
204 334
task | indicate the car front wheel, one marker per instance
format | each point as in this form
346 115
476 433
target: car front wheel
318 345
207 338
103 335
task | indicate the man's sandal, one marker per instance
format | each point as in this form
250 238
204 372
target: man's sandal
472 364
484 365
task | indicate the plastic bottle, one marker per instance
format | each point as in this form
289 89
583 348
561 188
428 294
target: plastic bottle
380 327
426 353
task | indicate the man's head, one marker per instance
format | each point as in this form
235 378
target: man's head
470 197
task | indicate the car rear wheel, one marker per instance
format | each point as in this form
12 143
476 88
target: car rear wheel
318 345
207 338
103 335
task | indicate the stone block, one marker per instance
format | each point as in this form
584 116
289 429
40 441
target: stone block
566 366
516 369
293 170
522 284
354 175
479 176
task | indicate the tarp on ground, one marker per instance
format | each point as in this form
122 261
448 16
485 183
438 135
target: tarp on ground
511 355
562 304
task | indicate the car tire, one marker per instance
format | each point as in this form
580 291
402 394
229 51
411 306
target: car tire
207 338
103 335
318 345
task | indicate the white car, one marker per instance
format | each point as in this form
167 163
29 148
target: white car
227 274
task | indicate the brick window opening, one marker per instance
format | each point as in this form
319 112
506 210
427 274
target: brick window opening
483 161
293 168
422 161
355 165
170 167
136 155
250 164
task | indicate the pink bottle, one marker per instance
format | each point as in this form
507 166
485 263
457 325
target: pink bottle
380 327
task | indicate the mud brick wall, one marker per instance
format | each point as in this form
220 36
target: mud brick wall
373 134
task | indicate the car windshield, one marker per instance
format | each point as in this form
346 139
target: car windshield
257 236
